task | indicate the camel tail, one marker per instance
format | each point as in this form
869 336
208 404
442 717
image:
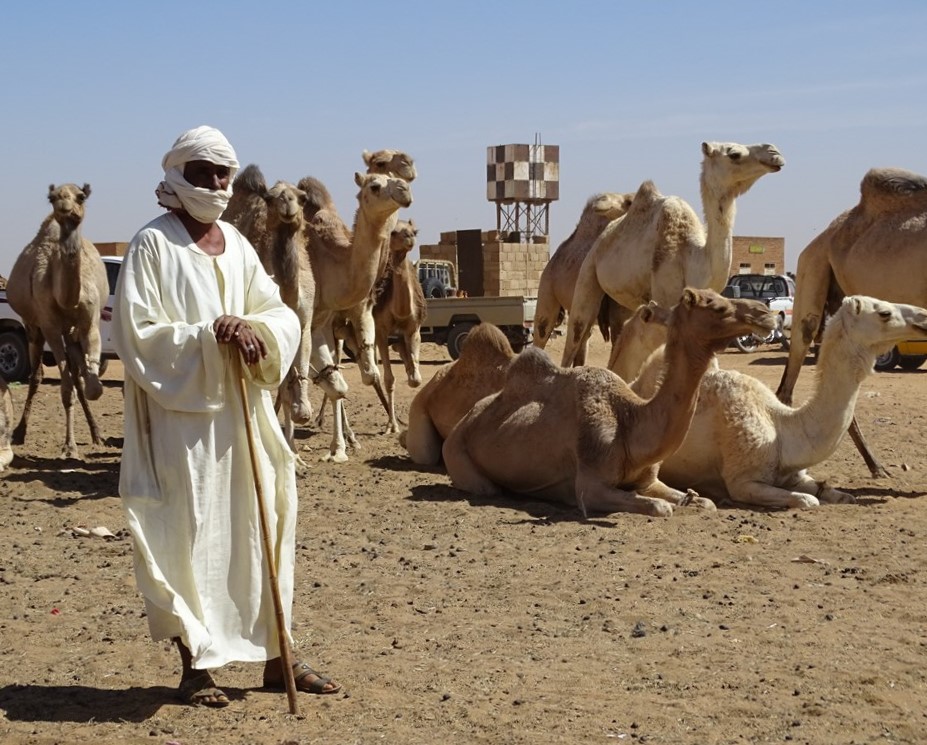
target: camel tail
603 320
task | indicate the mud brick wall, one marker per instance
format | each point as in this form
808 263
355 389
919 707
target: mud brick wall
758 254
508 268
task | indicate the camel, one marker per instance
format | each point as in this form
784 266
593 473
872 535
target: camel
346 266
454 390
555 289
400 307
6 425
391 163
609 442
273 221
887 229
745 445
661 246
58 286
643 333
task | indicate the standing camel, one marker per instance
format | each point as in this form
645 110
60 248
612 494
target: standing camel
877 248
581 436
400 307
555 288
58 286
744 444
661 246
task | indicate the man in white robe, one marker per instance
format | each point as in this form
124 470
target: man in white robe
194 310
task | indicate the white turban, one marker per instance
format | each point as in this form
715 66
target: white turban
175 192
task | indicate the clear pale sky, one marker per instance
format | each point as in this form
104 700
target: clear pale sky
96 92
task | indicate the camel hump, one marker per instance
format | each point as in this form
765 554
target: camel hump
645 197
891 188
486 345
317 196
251 180
531 367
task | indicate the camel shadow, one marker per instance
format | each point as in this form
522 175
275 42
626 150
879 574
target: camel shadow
83 704
92 477
539 513
404 465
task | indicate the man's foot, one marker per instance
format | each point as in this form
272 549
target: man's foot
307 679
201 690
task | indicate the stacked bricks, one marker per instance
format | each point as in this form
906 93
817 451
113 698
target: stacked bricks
523 173
508 268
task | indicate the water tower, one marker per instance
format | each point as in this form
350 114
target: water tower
523 180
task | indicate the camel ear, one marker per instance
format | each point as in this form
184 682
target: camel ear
86 190
709 148
646 314
51 192
854 304
689 298
412 225
358 178
301 197
367 156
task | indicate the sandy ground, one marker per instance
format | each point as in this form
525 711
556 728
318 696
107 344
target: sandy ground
455 619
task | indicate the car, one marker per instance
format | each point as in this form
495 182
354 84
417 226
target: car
908 355
777 291
14 349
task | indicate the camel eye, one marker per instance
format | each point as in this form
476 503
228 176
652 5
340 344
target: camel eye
885 314
735 155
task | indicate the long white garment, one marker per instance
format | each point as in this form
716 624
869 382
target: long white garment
186 480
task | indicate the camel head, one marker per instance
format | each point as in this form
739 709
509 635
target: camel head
611 205
710 320
330 380
380 194
391 163
67 203
877 325
402 239
731 169
285 202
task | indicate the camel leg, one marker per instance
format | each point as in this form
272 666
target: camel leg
594 496
422 439
361 318
89 367
658 490
389 383
462 471
877 470
336 452
349 435
68 376
803 482
75 360
584 310
410 352
36 345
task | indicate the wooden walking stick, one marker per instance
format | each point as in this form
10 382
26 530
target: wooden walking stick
286 655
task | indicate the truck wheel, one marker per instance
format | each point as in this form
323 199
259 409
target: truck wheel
887 361
14 356
456 338
911 361
433 288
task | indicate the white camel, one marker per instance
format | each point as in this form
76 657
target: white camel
745 445
661 246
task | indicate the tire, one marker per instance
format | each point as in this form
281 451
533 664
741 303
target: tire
911 361
887 360
433 288
747 343
14 356
456 338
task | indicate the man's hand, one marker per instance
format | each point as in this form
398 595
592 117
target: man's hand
237 331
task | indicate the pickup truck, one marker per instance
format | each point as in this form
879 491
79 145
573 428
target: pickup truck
14 349
448 320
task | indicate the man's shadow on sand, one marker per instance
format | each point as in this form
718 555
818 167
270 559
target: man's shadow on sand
38 703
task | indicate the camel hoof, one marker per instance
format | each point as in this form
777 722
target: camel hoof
660 508
806 502
93 389
339 457
415 381
70 453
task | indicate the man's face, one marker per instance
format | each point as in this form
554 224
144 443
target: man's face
206 175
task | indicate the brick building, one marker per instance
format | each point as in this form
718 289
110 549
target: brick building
755 254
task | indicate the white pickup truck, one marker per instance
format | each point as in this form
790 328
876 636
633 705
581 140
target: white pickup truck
14 349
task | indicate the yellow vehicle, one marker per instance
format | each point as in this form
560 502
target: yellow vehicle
908 355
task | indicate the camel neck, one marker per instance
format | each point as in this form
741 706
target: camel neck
720 211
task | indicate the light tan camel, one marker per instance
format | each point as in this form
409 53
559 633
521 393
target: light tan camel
747 446
555 289
58 286
6 425
273 221
661 246
877 248
609 442
643 333
399 308
346 272
454 390
390 162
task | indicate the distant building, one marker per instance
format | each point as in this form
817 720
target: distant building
756 254
112 249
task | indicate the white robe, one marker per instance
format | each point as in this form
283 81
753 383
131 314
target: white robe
186 480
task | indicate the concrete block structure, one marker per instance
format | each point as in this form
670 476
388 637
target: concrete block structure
757 254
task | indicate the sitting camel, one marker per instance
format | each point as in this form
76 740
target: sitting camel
6 425
886 230
643 333
58 286
609 442
747 446
661 246
555 288
453 391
